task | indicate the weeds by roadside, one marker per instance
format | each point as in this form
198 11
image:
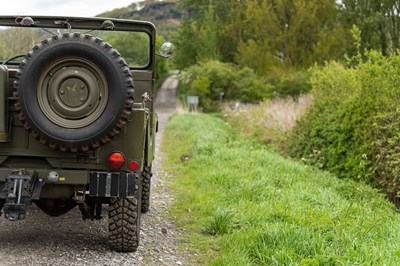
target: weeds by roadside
268 121
243 204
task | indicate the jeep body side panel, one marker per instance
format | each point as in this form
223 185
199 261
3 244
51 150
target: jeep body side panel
144 85
3 107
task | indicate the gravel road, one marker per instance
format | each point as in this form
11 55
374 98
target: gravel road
68 240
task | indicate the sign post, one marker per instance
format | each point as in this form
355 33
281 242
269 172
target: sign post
192 101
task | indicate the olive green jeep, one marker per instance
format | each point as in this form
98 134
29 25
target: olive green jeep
77 119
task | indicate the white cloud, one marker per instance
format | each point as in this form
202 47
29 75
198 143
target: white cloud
76 8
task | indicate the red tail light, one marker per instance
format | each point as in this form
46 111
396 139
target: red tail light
133 165
116 160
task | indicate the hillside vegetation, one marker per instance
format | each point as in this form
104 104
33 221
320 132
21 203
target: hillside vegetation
243 204
164 14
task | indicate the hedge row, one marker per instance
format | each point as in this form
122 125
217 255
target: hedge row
352 129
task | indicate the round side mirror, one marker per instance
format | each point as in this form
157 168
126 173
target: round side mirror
166 49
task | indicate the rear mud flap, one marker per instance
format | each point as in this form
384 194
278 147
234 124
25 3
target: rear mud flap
120 185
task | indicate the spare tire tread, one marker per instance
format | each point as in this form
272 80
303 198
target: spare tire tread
70 145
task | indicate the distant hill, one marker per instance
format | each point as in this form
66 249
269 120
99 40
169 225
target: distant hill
164 14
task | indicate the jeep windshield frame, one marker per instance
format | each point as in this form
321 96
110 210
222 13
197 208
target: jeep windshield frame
55 24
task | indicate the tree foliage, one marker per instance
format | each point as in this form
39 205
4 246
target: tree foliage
134 46
262 34
277 39
378 21
17 41
293 30
268 34
164 14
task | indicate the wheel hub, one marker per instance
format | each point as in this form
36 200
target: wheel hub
73 92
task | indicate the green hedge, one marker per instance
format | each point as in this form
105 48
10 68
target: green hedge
208 79
352 128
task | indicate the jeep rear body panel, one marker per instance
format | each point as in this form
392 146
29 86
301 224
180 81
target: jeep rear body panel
43 171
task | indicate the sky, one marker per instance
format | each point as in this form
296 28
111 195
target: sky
75 8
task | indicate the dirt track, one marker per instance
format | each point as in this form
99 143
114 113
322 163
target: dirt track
68 240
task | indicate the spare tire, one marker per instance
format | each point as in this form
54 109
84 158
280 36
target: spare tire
74 92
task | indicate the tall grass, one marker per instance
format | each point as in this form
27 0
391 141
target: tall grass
243 204
268 121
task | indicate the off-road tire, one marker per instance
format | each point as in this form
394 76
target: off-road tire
74 92
124 224
146 184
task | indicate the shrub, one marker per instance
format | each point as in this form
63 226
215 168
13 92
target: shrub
386 153
352 127
290 83
208 79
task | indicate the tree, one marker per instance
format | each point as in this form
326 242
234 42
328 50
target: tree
203 33
378 21
291 30
209 36
133 45
18 41
262 33
186 44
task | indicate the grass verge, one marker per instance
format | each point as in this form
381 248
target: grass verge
243 204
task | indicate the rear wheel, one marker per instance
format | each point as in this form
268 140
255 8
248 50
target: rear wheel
124 222
146 184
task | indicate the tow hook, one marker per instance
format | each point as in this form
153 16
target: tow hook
20 189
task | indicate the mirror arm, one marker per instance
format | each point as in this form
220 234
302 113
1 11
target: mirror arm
163 56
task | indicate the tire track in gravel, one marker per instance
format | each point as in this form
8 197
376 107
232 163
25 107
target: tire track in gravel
68 240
